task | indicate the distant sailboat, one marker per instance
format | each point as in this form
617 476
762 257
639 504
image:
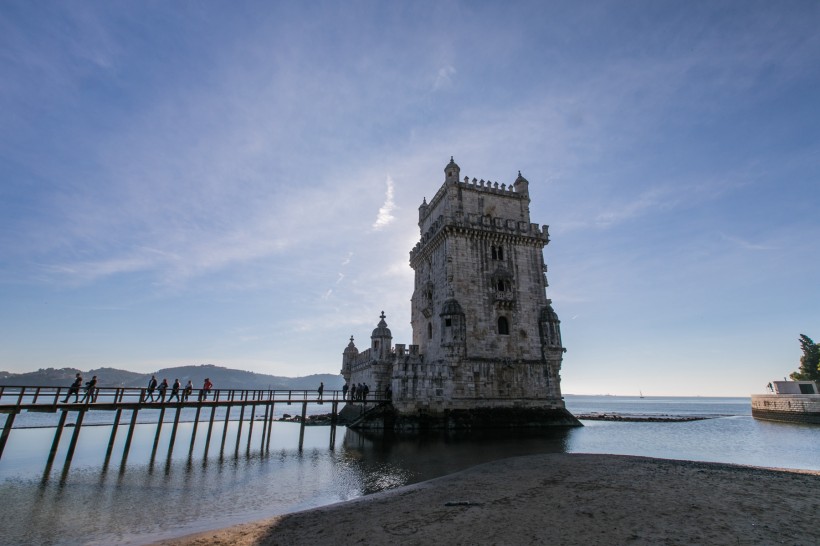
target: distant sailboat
641 393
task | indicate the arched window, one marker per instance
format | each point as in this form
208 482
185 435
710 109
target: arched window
503 326
500 286
429 330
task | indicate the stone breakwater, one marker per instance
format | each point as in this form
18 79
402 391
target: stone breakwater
640 418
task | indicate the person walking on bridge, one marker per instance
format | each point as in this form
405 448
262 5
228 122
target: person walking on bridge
90 389
206 387
74 389
152 385
175 390
321 389
189 388
162 388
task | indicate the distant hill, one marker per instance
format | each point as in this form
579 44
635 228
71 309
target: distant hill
222 378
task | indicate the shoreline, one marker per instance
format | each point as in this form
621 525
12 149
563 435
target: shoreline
563 499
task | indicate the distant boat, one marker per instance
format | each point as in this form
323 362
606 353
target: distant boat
641 393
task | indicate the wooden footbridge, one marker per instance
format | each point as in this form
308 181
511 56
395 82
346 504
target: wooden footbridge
14 400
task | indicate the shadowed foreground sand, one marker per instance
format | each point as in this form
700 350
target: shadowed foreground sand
562 499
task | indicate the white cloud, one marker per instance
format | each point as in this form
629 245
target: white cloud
385 215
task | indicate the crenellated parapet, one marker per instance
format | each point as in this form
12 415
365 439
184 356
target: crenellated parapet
484 187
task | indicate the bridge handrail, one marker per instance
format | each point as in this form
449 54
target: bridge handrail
17 396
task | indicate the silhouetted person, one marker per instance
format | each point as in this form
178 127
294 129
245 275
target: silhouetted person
353 392
175 390
344 391
189 388
321 389
74 389
162 388
90 388
152 385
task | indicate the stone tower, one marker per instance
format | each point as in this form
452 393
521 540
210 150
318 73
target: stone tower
486 340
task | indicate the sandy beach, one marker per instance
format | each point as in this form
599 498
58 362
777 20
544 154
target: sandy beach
563 499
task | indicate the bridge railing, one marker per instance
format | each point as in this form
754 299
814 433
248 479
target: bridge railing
15 398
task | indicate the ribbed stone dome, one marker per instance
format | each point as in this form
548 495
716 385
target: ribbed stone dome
382 330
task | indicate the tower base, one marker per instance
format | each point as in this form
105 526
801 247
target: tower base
387 418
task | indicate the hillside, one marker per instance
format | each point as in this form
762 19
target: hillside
222 378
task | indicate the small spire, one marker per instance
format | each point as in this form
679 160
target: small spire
382 316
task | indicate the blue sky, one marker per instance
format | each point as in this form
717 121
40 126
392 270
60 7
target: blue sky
237 183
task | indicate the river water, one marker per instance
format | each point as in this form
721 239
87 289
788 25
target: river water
144 501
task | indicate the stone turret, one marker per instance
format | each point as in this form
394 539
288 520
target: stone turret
451 172
349 357
381 340
521 185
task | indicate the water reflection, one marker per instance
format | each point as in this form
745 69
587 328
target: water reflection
91 505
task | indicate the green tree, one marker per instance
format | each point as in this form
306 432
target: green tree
809 362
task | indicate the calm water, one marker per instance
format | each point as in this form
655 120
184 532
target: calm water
143 502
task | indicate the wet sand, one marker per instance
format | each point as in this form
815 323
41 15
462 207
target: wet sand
563 499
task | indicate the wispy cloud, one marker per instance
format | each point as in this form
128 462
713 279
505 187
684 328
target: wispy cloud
744 244
385 215
444 77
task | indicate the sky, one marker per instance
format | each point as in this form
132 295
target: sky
237 183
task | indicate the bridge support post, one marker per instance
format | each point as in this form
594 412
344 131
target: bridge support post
210 428
239 429
174 433
128 438
6 431
74 437
302 425
159 429
334 412
225 429
193 432
56 442
250 426
113 435
270 425
264 428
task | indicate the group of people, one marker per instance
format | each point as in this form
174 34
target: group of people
181 394
358 391
90 394
162 389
